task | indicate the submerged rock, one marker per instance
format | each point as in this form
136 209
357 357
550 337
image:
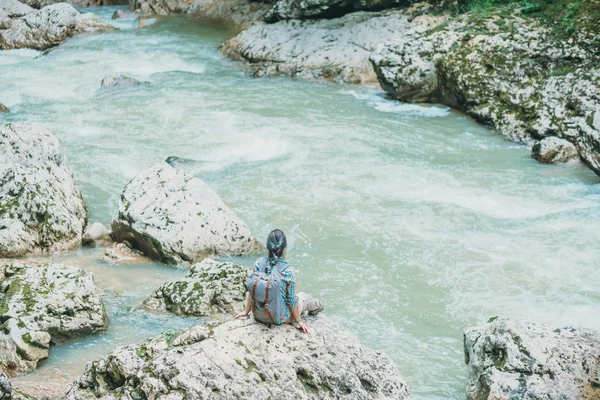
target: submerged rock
4 109
243 359
49 27
554 150
238 13
10 10
40 207
96 234
211 287
41 305
119 14
112 81
173 217
120 253
511 359
336 50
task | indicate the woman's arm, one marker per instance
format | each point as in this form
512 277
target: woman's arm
291 300
248 308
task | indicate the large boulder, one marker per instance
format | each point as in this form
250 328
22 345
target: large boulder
41 305
49 27
174 217
10 10
336 50
243 359
511 359
552 150
211 287
96 234
40 207
76 3
237 13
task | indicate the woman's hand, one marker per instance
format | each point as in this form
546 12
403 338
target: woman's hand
241 314
303 327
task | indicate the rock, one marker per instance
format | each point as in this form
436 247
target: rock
76 3
120 253
336 50
96 234
143 22
41 305
211 287
10 10
40 207
112 81
553 150
510 359
49 27
243 359
237 13
7 392
119 14
173 217
4 109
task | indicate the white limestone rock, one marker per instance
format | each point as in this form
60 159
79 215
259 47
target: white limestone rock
335 50
120 253
49 27
212 287
553 150
174 217
10 10
40 208
243 359
96 234
41 305
510 359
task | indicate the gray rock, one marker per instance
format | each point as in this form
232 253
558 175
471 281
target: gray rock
336 50
10 10
244 359
173 217
510 359
41 210
49 27
553 150
77 3
119 14
96 234
236 13
113 81
211 287
120 253
41 305
5 387
4 109
316 9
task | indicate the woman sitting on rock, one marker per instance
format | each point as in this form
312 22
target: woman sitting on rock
272 289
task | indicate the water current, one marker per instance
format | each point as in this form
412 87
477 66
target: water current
411 222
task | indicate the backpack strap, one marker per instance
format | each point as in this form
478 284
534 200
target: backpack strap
267 301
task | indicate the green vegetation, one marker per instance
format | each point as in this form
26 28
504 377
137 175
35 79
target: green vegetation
564 17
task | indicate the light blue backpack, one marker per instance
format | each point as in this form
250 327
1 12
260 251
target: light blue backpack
264 286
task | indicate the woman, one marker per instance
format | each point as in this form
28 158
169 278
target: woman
272 289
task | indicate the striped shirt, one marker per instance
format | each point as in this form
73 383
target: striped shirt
288 287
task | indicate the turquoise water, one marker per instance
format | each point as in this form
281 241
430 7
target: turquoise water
411 222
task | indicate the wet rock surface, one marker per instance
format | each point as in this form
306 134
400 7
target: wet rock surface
237 13
174 217
41 305
336 50
4 109
40 207
244 359
114 81
553 150
49 27
120 253
212 287
510 359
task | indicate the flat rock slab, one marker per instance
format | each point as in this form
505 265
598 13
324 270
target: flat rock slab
243 359
211 287
41 210
174 218
511 359
336 50
41 305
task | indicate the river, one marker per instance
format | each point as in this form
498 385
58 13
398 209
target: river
411 222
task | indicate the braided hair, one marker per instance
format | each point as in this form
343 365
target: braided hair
276 244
